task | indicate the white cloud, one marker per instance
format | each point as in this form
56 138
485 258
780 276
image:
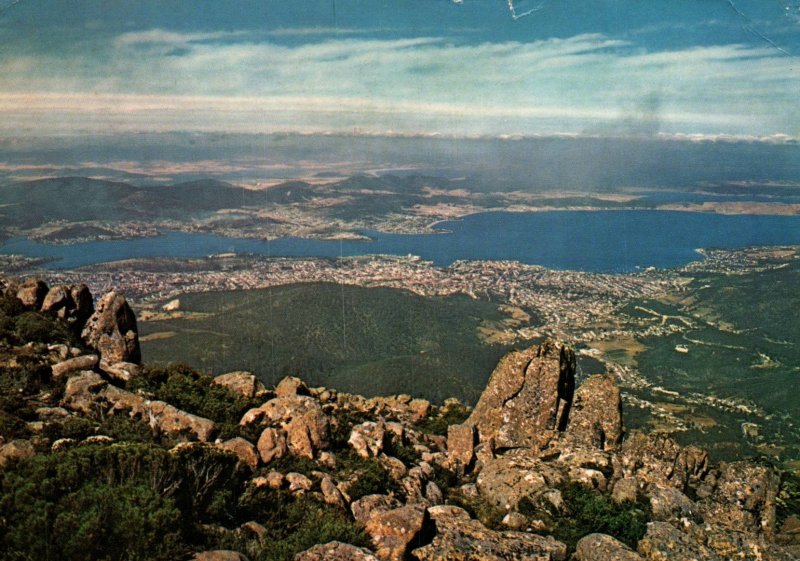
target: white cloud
165 80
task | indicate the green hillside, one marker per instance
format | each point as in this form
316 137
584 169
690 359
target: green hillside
369 340
744 348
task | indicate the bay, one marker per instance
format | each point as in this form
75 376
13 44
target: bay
594 241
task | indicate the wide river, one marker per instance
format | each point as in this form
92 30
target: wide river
599 241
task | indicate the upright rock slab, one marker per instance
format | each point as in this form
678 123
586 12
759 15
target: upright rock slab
527 401
111 330
595 418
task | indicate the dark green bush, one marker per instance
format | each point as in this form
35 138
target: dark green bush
186 388
437 424
788 500
293 524
342 425
371 478
132 501
589 511
31 326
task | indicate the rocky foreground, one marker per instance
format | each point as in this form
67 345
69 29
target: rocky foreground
540 469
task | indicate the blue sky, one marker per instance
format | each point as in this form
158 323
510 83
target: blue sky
677 67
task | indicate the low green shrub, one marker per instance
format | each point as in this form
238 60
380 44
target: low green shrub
589 511
186 388
437 424
788 500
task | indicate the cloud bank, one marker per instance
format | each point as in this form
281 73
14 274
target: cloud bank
164 80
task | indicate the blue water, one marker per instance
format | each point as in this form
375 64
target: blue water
613 241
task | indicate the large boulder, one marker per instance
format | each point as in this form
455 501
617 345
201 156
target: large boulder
527 400
272 444
112 331
32 293
244 384
243 450
595 418
458 537
300 417
71 304
393 531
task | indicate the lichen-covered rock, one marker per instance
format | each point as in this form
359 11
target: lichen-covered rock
335 551
243 450
64 368
363 508
121 371
744 498
527 400
57 300
460 447
392 531
667 503
32 293
458 537
291 386
244 384
112 331
506 480
659 459
272 445
88 393
368 439
301 418
331 493
16 450
595 418
600 547
298 483
665 542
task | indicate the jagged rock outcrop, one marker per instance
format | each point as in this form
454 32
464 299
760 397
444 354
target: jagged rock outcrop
72 304
595 418
531 437
299 417
111 330
457 536
89 394
527 400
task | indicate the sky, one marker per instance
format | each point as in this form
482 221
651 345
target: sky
696 68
